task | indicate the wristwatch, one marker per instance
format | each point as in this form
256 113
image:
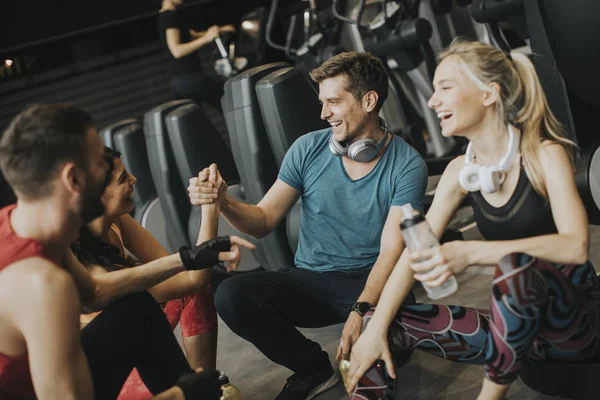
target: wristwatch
361 307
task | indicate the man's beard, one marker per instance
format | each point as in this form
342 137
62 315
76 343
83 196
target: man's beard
91 206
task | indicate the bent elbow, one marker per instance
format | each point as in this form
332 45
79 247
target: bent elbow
266 226
259 234
579 248
99 301
259 231
580 259
175 52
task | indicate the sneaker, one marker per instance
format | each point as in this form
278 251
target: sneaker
305 386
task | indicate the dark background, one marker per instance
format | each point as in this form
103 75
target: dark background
40 35
27 21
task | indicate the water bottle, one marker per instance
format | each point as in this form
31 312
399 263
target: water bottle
344 368
417 235
230 392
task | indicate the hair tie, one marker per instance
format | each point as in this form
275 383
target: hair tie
508 56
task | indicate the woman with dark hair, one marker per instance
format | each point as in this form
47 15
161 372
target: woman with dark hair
103 248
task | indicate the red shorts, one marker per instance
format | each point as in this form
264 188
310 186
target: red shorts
195 314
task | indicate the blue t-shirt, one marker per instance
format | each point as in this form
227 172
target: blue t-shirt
341 220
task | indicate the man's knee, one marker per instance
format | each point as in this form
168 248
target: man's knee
231 296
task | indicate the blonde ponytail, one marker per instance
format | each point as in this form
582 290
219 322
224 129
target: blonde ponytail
522 100
538 123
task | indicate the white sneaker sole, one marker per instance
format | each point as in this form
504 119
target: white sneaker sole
331 382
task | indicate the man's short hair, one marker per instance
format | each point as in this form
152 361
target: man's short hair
38 141
363 71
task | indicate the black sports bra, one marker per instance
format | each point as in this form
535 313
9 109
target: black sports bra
526 214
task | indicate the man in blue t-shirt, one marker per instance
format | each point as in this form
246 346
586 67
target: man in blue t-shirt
349 226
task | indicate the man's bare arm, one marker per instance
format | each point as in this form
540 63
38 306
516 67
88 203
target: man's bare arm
391 248
85 283
46 311
256 220
260 220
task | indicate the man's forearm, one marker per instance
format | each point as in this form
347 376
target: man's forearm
116 284
246 218
377 278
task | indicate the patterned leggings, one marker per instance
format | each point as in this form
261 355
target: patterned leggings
539 311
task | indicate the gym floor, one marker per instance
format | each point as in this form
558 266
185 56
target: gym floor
424 378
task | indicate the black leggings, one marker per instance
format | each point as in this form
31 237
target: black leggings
132 332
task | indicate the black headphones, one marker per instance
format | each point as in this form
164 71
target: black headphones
363 150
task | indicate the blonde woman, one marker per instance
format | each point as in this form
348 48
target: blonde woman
518 173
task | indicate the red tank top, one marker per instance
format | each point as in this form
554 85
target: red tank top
15 378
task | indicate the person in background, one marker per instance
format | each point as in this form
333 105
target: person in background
188 79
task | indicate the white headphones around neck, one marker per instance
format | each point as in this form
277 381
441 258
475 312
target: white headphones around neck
488 179
363 150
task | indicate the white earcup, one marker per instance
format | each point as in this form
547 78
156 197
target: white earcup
486 180
469 177
490 179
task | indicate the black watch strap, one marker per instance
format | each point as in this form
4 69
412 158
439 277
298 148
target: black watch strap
361 307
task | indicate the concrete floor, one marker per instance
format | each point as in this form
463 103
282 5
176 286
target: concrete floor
424 378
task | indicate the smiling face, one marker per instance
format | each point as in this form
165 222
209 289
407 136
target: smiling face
118 196
461 106
347 116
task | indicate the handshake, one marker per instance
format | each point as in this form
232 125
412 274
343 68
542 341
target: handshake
211 252
208 187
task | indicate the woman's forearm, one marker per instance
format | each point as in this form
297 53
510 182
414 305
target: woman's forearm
185 49
191 282
396 289
113 285
209 224
556 248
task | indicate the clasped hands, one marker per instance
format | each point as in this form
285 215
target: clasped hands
209 188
